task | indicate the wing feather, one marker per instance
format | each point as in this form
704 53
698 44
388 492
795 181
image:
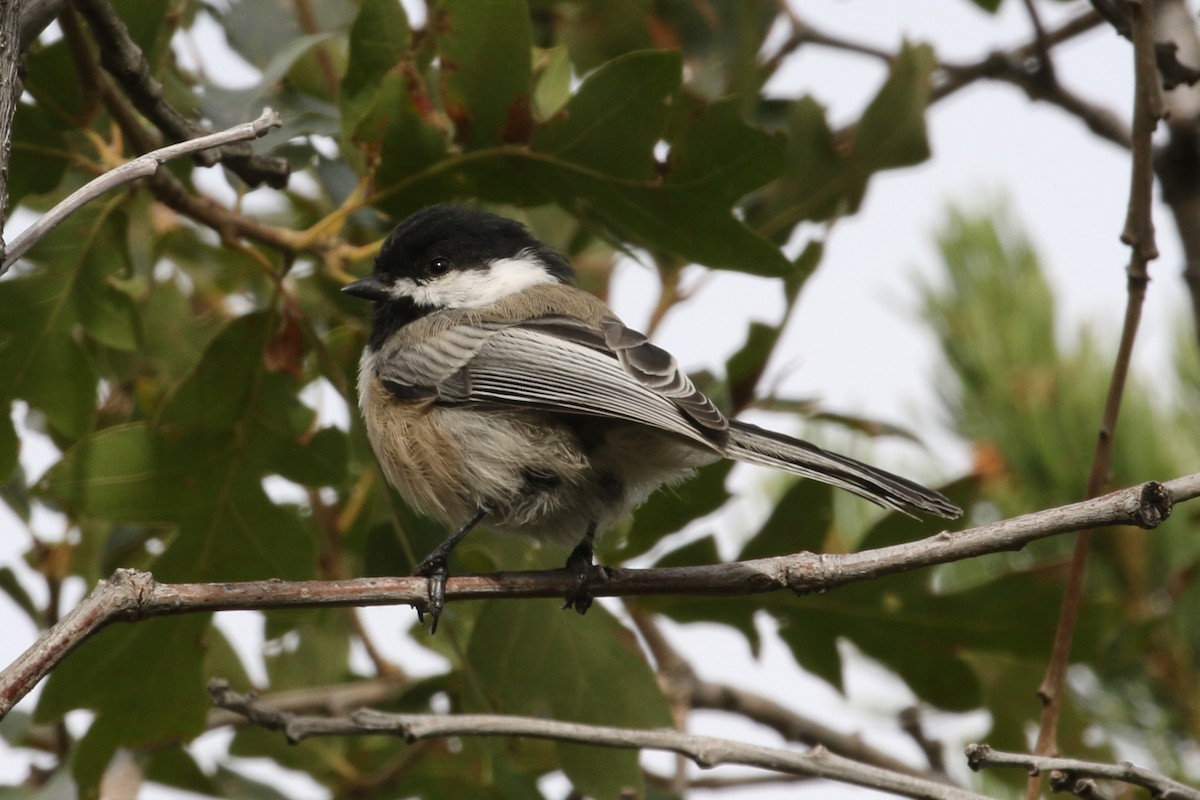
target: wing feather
556 363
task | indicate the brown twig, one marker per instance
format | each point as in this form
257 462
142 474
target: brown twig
143 166
794 727
124 60
10 93
230 225
688 691
1040 81
1176 163
1041 43
705 751
336 699
1067 774
910 723
1139 235
35 16
1010 66
131 595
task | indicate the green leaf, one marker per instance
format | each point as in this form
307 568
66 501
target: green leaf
671 509
200 467
745 367
10 448
174 766
823 178
215 394
485 48
319 653
718 152
800 522
687 219
612 123
144 682
39 153
396 128
891 132
531 658
42 359
16 592
228 529
552 82
379 40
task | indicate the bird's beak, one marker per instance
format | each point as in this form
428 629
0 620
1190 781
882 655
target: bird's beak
369 288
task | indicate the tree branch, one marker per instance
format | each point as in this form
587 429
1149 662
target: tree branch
124 60
337 699
1139 235
687 691
35 16
706 751
1066 774
1039 82
1177 163
141 167
131 595
10 93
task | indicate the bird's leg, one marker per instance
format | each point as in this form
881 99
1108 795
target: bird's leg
434 568
580 563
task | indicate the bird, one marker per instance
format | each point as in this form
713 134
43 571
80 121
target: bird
495 392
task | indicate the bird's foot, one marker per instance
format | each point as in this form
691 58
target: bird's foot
435 570
579 563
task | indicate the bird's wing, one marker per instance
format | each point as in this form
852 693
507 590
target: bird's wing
557 364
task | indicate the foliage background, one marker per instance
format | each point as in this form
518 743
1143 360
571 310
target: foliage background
176 372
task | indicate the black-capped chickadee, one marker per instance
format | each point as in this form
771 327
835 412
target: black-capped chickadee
494 391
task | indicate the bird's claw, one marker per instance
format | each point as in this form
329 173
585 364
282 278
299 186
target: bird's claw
580 564
435 570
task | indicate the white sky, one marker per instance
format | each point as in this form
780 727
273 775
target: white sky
854 342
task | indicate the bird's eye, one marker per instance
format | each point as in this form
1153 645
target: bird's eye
439 266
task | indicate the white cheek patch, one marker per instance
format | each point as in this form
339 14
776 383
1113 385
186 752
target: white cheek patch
471 288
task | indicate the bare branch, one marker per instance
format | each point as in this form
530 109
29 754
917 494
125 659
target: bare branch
1068 773
10 93
795 727
1176 163
1028 67
1164 52
688 691
131 595
140 167
124 60
1139 235
706 751
910 723
336 699
35 16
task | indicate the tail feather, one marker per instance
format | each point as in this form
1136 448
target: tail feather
755 445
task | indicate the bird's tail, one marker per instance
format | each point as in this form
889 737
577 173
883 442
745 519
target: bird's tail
755 445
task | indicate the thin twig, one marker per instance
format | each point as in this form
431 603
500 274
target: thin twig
337 699
124 60
1139 235
1041 43
131 595
706 751
910 723
141 167
35 16
1066 773
796 728
1038 83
